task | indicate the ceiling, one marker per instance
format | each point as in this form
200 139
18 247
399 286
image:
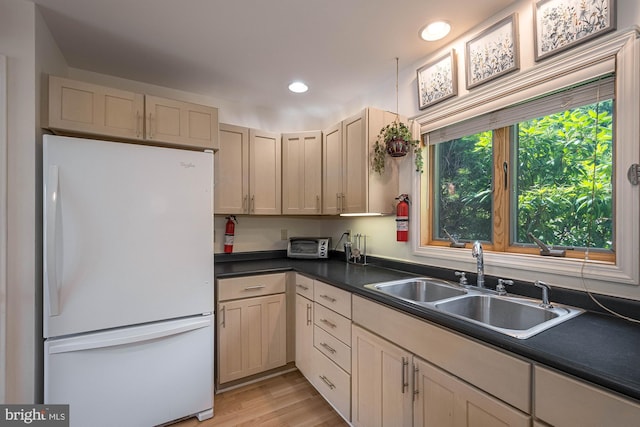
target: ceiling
248 51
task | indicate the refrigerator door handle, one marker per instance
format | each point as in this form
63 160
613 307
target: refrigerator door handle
53 195
153 332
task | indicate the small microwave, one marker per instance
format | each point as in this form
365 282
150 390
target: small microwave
309 247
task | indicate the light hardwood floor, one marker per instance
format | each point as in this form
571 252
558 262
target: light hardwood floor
284 400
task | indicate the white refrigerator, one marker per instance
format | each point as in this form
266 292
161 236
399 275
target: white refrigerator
128 282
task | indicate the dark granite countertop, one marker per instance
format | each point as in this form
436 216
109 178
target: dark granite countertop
596 347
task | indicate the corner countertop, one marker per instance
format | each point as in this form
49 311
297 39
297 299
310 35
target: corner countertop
595 347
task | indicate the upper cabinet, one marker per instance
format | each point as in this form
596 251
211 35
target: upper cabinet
265 173
248 172
96 110
302 173
181 123
349 183
83 108
332 158
231 171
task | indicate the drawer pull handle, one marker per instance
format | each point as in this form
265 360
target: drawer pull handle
150 133
308 314
328 298
303 287
254 288
327 382
328 347
224 317
328 323
138 118
405 372
416 384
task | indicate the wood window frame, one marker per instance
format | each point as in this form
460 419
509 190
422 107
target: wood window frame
502 146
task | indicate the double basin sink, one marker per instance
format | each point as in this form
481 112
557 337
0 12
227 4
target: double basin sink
518 317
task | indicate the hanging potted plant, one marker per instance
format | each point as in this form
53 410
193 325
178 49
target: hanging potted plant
395 140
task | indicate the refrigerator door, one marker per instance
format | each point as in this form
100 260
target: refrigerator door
128 234
136 376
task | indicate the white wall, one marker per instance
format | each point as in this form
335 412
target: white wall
30 51
17 41
628 15
255 233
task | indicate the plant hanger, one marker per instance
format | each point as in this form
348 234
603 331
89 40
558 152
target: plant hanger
395 139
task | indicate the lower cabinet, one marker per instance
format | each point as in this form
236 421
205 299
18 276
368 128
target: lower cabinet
443 400
392 387
408 372
252 336
304 334
561 400
323 340
380 382
332 382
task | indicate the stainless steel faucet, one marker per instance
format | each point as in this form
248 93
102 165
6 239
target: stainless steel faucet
477 253
545 294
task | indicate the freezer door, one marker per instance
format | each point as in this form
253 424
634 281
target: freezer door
137 376
128 234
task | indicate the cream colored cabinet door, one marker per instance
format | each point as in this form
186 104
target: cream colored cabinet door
345 160
181 123
304 335
265 173
333 171
355 152
252 336
349 184
442 400
231 171
302 173
561 400
380 382
80 107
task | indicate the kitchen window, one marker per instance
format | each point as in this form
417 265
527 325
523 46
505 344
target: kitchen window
603 72
543 170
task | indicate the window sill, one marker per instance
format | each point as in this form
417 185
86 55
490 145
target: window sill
596 276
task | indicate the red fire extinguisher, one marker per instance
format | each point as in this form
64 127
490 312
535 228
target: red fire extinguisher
402 218
229 231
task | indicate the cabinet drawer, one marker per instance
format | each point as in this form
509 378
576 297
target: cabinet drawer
332 297
563 401
250 286
333 348
304 286
332 382
337 325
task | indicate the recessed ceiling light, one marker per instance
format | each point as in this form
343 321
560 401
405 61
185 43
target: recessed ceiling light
435 31
298 87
